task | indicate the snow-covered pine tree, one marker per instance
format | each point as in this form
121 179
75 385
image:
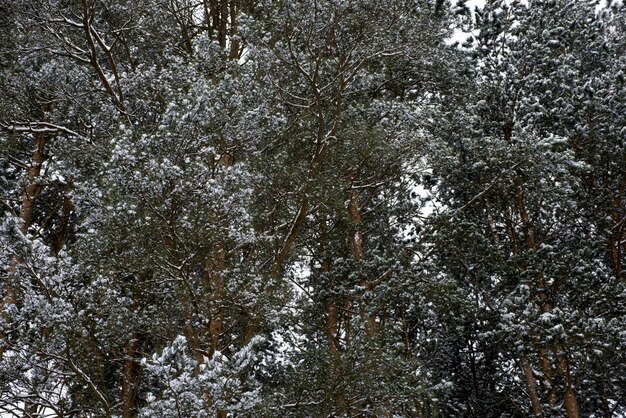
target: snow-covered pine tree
523 235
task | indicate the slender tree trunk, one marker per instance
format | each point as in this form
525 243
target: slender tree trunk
64 223
27 214
215 281
355 243
332 327
332 313
617 239
563 365
546 366
332 321
92 39
296 226
355 240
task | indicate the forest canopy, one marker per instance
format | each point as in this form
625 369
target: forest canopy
312 208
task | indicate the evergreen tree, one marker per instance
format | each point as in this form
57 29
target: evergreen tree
294 208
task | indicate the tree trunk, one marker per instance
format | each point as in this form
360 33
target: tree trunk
548 374
215 281
31 190
332 313
131 376
617 239
355 243
570 402
332 327
532 387
234 40
64 223
223 22
31 410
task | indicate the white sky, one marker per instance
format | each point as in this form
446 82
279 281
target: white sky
473 3
458 35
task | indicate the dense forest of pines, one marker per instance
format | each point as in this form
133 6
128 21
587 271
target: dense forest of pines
312 208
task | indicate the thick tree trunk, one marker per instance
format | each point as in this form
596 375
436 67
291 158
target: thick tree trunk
570 403
131 376
27 209
32 189
214 19
234 39
532 387
548 375
223 23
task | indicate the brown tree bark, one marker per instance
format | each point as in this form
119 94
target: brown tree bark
215 282
548 375
32 188
64 223
214 18
570 402
296 226
562 364
532 387
617 239
131 376
545 364
355 243
332 320
92 38
234 36
27 209
332 312
31 410
223 23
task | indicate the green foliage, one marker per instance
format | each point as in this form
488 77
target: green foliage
291 208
